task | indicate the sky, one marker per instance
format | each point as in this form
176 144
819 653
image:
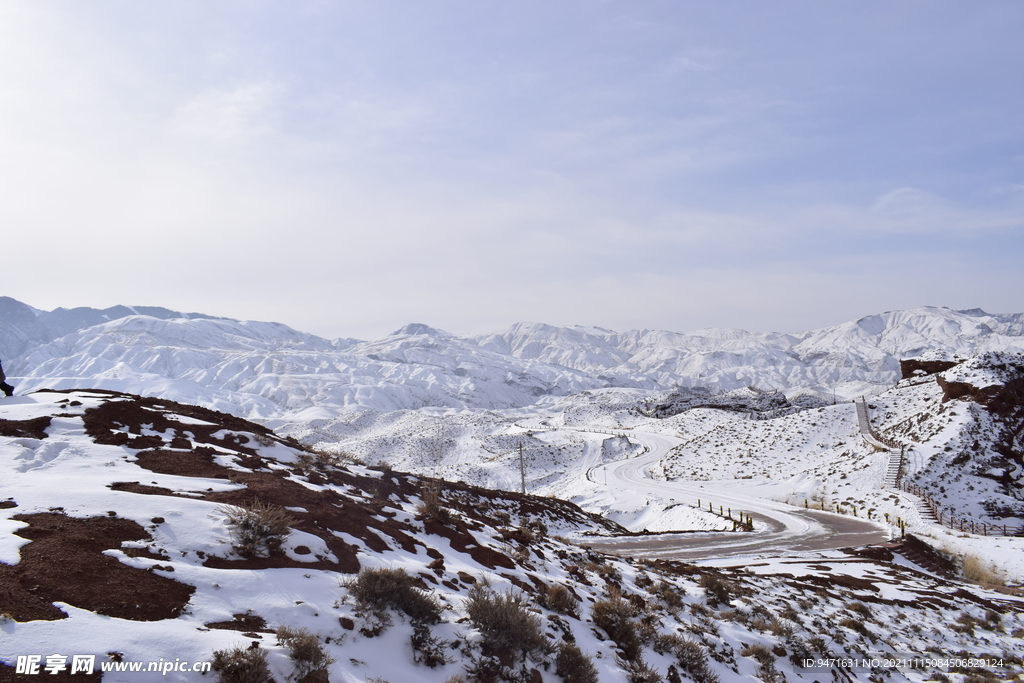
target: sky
349 167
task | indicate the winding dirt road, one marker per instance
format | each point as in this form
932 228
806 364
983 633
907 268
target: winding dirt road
782 528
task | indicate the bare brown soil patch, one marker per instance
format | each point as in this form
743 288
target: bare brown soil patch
367 511
243 623
120 421
464 542
196 463
145 489
65 562
25 429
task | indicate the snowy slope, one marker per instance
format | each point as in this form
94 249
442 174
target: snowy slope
22 326
268 371
864 351
115 544
964 429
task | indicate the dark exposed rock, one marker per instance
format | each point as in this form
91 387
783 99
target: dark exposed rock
915 367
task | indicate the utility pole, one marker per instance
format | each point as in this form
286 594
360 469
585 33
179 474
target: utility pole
522 469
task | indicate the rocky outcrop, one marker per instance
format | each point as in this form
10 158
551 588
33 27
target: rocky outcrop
915 367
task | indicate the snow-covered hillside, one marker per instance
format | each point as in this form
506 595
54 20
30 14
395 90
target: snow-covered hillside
268 371
138 530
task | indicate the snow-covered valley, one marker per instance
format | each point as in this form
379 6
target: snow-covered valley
125 554
671 445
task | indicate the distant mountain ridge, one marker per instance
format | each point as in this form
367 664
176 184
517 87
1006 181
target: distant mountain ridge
21 325
269 371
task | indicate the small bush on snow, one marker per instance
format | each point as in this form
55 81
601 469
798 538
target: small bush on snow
378 590
766 658
574 666
560 599
306 652
614 617
242 665
669 594
258 528
691 656
504 623
717 588
639 671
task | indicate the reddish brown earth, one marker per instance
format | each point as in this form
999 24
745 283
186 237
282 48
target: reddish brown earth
367 513
909 367
65 562
25 429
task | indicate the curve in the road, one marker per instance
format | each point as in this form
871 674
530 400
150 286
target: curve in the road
781 528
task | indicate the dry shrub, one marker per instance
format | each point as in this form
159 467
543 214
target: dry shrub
780 627
759 652
306 652
257 528
993 621
615 617
504 622
859 608
574 666
333 460
800 651
378 590
760 624
426 648
242 665
647 628
323 460
430 494
560 599
965 623
766 659
639 671
669 594
737 615
691 656
699 610
855 625
975 568
718 589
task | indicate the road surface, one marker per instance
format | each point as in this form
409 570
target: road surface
781 528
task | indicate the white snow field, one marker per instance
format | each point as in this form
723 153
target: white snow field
675 438
115 544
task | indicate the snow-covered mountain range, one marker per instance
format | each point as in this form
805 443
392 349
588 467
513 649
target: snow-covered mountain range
121 515
269 371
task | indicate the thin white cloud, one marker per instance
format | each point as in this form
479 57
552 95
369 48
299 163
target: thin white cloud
230 112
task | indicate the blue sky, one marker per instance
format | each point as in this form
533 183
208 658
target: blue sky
347 167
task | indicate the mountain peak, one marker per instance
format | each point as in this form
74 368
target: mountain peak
419 328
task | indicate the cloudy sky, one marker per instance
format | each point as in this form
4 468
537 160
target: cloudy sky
348 167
